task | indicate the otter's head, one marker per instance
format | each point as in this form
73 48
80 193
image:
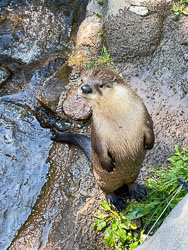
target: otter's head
98 84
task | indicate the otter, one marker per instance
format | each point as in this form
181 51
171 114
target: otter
121 133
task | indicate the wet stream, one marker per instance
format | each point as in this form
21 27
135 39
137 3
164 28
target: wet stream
21 176
24 152
34 36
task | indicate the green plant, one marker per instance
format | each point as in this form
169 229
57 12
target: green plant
98 15
103 60
179 7
184 1
101 3
119 231
101 32
161 186
105 57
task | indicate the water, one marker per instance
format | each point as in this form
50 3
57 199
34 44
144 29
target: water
23 166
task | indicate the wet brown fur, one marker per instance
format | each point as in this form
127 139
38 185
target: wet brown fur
122 129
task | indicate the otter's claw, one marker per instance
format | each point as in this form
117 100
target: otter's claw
137 191
116 201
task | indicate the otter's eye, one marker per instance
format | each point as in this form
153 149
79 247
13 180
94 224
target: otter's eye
101 86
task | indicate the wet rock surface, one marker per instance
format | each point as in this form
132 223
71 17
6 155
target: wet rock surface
32 29
69 188
4 75
56 194
31 77
27 49
21 137
51 90
53 87
75 106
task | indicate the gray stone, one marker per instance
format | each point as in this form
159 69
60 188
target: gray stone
128 33
139 10
94 7
4 75
116 6
173 234
50 93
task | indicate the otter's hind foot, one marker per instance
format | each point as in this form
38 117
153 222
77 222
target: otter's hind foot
116 201
137 191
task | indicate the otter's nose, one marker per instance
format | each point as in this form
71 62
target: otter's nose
86 89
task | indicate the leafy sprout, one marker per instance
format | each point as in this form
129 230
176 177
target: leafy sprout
119 231
179 7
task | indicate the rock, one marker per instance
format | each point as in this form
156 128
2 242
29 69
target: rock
50 93
152 5
175 17
53 87
31 30
172 234
55 97
184 42
4 75
186 57
129 36
88 32
87 42
115 7
94 7
75 106
64 73
48 120
44 118
139 10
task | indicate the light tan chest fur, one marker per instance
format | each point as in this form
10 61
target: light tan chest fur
120 127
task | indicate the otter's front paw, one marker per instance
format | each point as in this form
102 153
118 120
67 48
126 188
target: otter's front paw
137 191
116 201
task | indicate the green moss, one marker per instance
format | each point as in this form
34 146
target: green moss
98 15
101 3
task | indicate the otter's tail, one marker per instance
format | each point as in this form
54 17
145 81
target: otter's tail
81 141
